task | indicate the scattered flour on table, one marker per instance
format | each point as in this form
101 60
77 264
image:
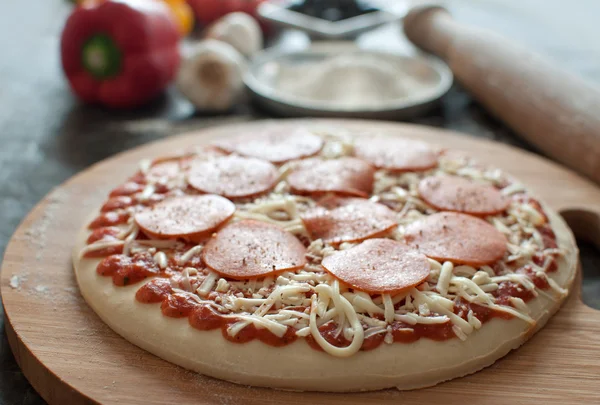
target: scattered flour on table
16 280
36 235
42 289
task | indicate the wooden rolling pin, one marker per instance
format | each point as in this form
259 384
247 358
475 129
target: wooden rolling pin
555 111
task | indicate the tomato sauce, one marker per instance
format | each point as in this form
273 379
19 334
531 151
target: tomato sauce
154 292
405 333
179 305
372 342
109 219
548 236
507 289
105 234
203 317
126 270
328 331
112 250
251 332
116 203
128 188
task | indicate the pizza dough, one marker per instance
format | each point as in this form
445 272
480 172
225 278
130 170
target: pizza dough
257 307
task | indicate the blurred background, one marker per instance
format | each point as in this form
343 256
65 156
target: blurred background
47 133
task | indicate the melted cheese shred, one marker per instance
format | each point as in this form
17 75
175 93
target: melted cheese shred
101 244
445 276
388 308
348 312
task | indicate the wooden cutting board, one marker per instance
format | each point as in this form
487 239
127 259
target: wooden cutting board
71 357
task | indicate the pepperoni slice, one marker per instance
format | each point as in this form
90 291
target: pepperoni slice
233 176
276 146
191 217
164 169
453 193
249 249
348 220
168 167
459 238
345 176
397 154
379 266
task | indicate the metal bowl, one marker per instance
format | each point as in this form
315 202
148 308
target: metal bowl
266 69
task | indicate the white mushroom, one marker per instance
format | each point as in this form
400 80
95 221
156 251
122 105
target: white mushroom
239 30
211 75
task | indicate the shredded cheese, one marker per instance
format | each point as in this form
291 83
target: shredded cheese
308 298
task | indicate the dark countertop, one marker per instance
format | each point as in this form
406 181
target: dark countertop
47 136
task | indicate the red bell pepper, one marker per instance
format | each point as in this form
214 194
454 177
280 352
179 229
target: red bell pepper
120 53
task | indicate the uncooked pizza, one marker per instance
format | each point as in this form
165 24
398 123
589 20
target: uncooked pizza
319 259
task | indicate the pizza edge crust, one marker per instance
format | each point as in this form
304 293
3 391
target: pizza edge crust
299 367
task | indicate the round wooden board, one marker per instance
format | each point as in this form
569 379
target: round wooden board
71 357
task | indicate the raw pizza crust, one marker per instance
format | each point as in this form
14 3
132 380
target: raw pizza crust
299 367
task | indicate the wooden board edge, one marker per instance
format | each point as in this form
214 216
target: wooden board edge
50 387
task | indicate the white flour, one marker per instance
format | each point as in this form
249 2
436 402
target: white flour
15 281
355 81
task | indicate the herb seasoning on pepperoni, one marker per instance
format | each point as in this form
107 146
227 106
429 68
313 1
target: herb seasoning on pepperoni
250 249
396 154
233 176
379 266
190 217
348 220
345 176
453 193
460 238
277 146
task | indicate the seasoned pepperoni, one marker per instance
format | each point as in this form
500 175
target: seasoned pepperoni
453 193
249 249
396 154
345 176
164 170
233 176
379 266
348 220
191 217
459 238
276 146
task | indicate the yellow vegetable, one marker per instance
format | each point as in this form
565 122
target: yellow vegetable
183 14
180 9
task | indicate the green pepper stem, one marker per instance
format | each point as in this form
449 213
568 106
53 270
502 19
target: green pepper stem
101 57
